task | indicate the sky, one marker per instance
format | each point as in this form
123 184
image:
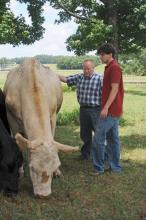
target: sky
53 42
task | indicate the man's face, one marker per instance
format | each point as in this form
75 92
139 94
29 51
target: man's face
88 68
105 58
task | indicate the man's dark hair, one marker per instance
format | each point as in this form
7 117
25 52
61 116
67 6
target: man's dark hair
107 49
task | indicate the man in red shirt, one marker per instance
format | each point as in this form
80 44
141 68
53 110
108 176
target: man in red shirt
112 103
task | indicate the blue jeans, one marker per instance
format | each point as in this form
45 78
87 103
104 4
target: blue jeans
107 129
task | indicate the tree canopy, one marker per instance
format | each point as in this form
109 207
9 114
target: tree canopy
122 23
14 29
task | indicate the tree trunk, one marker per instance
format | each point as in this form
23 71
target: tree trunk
112 20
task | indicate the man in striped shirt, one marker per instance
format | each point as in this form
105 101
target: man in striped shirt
88 86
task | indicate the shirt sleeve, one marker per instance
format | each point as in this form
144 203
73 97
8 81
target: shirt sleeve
72 79
116 74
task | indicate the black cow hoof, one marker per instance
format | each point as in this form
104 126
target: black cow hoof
10 194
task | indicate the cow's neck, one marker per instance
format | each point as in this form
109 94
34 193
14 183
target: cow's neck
37 122
36 131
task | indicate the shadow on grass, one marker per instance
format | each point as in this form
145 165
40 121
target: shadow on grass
133 92
123 122
134 141
78 195
70 135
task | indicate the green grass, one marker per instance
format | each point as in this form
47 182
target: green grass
3 75
78 195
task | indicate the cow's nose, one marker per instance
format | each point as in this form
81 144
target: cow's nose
57 173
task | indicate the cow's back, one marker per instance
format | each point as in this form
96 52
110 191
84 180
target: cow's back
33 89
22 77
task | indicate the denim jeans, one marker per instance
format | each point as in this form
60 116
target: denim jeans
88 122
107 129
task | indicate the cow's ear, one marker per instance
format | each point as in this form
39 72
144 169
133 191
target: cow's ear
65 148
22 142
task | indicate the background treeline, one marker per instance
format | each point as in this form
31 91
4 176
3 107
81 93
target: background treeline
75 62
63 62
44 59
132 64
5 63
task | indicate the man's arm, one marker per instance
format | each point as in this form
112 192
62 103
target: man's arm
70 80
111 98
62 78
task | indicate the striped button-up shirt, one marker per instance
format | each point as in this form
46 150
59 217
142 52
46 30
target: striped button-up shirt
88 88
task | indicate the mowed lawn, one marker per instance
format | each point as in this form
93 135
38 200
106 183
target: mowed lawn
78 195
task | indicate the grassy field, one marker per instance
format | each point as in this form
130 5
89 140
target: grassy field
78 195
98 69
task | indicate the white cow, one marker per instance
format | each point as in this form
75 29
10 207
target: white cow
33 97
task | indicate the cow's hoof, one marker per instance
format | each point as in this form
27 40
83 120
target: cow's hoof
10 194
37 196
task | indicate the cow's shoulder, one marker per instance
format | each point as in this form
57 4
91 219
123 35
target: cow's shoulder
11 90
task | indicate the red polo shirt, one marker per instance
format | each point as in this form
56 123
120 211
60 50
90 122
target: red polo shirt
113 74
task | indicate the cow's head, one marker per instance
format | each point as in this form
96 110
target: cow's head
44 162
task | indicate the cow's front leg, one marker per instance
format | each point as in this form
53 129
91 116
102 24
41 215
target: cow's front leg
53 123
21 171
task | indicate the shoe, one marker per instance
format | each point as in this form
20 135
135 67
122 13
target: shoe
96 173
81 158
107 169
111 171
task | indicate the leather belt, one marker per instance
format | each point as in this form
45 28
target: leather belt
89 106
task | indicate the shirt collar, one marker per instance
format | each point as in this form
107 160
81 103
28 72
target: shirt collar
88 77
109 64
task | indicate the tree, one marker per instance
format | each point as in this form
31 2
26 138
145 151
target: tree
14 29
122 23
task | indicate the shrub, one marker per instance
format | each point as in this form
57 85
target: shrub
67 118
134 64
134 67
68 88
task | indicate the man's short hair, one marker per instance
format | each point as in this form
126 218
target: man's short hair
107 49
88 60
